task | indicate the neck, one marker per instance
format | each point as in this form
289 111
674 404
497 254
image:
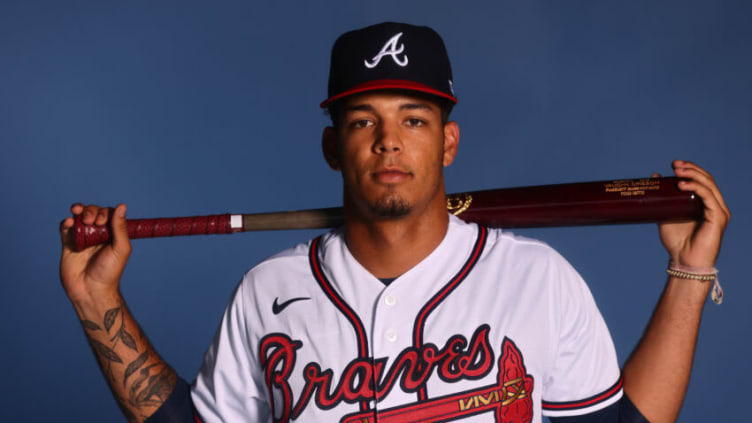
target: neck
387 248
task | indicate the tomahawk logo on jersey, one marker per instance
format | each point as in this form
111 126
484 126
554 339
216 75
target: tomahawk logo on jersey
488 327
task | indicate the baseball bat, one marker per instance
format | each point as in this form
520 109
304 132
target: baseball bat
574 204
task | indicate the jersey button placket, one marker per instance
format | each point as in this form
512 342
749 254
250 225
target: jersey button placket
388 323
390 334
390 300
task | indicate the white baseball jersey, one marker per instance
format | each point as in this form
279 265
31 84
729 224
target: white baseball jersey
488 327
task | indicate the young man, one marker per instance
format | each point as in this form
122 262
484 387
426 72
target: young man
405 314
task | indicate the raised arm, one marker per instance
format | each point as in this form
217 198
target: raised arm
657 373
140 380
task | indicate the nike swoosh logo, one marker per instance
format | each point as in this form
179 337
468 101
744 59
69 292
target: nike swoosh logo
277 308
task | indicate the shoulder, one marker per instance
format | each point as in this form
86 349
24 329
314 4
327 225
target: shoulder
287 265
511 243
523 264
500 238
503 245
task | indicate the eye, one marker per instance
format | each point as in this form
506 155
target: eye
361 123
415 122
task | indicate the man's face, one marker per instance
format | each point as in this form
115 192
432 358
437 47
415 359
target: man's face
391 149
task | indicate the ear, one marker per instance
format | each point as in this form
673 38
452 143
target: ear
451 141
329 147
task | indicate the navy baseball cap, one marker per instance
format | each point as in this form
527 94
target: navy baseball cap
390 55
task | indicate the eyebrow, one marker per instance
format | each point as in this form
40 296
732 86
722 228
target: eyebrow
416 106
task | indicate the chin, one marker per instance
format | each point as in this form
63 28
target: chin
391 207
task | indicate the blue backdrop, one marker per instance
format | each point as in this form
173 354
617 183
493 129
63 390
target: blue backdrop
180 108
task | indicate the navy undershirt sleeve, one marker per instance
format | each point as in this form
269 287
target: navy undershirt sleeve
178 408
622 411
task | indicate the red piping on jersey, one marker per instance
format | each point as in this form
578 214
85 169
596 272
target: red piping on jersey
326 286
420 321
571 405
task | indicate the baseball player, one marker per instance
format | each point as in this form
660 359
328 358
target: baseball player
406 313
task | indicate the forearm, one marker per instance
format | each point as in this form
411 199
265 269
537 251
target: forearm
139 379
656 375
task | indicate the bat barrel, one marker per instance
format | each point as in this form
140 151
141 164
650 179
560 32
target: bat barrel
584 203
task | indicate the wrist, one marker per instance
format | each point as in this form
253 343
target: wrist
96 304
703 277
689 260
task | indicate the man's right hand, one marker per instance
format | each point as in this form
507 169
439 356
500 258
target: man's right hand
95 271
140 380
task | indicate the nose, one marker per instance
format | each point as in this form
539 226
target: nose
388 139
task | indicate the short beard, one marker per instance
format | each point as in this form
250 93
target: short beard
391 207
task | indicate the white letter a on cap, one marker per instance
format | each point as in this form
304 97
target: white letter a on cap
389 49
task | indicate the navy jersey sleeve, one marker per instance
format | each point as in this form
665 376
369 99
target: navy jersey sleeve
622 411
178 408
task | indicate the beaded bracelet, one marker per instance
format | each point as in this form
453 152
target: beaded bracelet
703 274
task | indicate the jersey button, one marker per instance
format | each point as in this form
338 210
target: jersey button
390 300
391 335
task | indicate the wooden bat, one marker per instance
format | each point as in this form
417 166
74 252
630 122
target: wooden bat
583 203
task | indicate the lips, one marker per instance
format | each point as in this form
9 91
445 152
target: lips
391 176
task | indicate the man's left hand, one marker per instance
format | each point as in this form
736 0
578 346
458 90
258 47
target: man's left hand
696 243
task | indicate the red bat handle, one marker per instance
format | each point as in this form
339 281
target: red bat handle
87 235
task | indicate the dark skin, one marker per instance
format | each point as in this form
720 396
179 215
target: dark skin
138 377
391 149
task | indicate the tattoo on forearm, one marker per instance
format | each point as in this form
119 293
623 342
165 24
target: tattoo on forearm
135 365
89 325
126 338
152 384
156 388
109 318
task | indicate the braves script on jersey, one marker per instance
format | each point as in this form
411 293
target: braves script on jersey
488 327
